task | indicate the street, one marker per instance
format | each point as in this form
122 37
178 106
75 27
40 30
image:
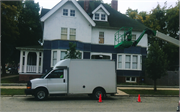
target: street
86 104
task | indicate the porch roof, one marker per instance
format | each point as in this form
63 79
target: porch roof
31 48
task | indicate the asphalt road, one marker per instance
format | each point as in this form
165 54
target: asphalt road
85 104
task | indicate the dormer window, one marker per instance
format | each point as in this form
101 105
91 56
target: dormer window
103 17
96 16
100 13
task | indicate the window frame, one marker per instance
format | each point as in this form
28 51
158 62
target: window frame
71 33
101 37
130 79
72 14
64 12
139 63
62 33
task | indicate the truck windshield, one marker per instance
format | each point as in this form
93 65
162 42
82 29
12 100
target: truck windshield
46 73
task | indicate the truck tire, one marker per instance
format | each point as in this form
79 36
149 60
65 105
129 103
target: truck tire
41 94
97 92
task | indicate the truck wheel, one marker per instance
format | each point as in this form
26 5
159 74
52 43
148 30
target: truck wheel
97 92
41 94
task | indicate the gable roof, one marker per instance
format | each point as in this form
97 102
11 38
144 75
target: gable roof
99 7
60 4
116 20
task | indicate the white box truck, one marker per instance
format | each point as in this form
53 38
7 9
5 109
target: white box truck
76 76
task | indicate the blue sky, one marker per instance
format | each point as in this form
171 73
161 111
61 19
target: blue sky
141 5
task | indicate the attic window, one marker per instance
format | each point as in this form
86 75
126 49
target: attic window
103 17
100 16
65 12
72 13
97 16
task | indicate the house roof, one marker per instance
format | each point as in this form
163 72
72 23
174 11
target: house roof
55 8
116 20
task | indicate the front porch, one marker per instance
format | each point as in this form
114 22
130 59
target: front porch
31 62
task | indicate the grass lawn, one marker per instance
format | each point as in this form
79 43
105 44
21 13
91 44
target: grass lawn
151 92
12 92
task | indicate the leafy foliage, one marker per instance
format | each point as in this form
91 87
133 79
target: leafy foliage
72 53
164 20
20 27
29 24
156 62
10 32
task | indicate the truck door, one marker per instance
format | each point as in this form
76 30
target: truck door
57 81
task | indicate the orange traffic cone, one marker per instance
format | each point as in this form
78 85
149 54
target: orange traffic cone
139 99
100 99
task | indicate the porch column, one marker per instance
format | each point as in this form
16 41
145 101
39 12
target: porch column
41 62
37 62
21 62
25 63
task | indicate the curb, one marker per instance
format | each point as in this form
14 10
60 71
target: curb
143 95
147 86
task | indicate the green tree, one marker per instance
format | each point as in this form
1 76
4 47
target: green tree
132 13
10 32
72 53
29 24
156 63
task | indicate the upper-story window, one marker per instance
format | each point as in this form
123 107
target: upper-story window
100 13
65 12
72 34
96 16
72 13
103 17
69 12
101 37
64 33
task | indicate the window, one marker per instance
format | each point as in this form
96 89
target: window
72 13
103 17
54 57
128 62
72 34
65 12
63 54
56 74
119 61
97 16
135 60
101 37
130 79
64 33
133 37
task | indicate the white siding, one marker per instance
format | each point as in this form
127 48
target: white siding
109 37
52 26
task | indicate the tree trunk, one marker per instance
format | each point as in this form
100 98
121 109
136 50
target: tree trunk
155 89
3 67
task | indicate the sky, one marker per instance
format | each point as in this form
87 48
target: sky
123 5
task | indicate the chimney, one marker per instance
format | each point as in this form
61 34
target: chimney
86 5
114 4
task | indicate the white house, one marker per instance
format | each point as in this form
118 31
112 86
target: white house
91 25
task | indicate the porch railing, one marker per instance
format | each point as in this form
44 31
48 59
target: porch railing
31 69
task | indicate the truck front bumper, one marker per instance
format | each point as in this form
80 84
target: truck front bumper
29 91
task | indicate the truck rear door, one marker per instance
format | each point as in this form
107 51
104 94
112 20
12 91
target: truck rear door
57 81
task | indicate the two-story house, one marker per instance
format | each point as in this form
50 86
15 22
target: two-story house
91 25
